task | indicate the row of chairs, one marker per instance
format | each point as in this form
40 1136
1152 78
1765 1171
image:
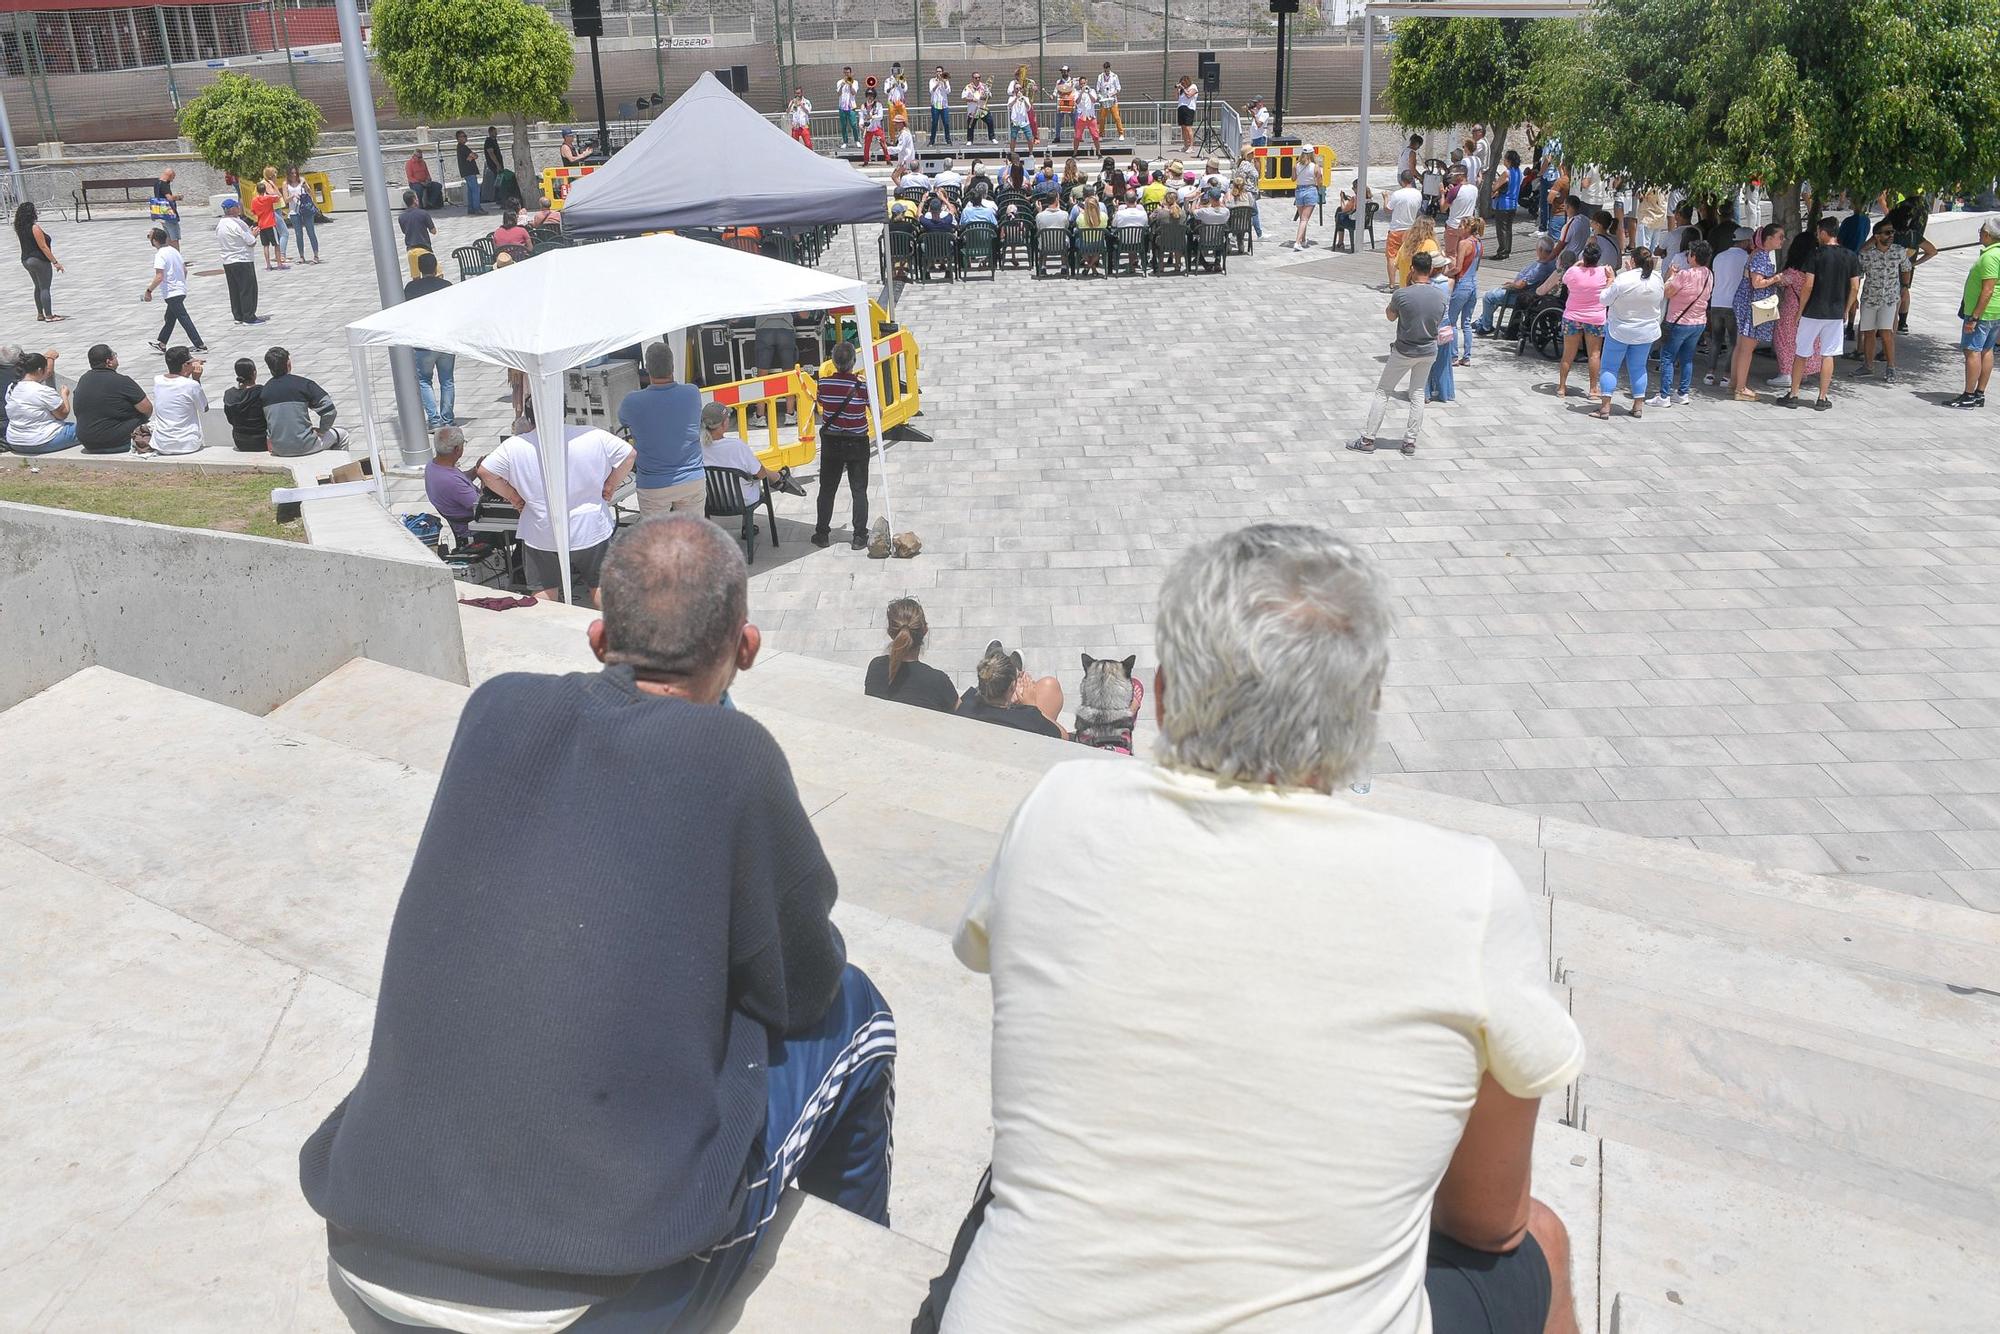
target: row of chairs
794 245
981 249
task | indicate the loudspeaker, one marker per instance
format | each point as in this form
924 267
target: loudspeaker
1209 70
1284 6
586 18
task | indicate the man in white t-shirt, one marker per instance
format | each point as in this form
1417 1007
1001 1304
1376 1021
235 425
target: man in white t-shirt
1728 267
178 402
1263 1056
940 106
848 93
598 463
1405 203
170 280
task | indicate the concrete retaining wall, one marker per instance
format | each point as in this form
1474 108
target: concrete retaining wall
244 621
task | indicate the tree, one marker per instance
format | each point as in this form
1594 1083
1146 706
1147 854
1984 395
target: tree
1709 94
243 125
476 60
1445 72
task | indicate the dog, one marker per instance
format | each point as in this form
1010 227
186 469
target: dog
1107 705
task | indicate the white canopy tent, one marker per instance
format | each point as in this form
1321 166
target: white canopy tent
570 306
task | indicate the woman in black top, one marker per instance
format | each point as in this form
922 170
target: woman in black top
898 675
39 259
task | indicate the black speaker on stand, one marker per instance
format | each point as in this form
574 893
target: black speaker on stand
1208 71
1284 9
587 18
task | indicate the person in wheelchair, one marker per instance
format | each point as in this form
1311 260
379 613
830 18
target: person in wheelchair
1516 293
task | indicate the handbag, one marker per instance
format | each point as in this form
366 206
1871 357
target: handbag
1764 310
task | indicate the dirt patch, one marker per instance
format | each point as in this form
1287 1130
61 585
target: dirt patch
180 498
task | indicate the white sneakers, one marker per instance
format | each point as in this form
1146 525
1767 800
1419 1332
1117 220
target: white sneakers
1658 400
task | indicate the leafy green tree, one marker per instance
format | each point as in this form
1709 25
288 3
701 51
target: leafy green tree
1445 72
465 61
1861 95
244 125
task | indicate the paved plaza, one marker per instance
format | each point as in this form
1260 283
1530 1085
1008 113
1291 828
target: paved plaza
1768 633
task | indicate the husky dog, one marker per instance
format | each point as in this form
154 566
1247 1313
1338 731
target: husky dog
1107 705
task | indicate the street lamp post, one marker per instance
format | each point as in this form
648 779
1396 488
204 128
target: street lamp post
413 434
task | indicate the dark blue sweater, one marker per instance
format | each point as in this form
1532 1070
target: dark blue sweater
617 901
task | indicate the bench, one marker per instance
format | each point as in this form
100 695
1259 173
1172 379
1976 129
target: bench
125 185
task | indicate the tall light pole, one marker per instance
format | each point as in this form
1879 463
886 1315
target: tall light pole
412 434
13 158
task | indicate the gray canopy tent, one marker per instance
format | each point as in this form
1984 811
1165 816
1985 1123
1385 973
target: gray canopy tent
710 160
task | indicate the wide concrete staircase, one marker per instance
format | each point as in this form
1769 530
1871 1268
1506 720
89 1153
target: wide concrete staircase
1786 1121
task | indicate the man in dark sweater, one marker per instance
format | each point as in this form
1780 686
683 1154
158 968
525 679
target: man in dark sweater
607 1037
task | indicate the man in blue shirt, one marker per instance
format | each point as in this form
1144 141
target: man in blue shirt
664 422
1513 292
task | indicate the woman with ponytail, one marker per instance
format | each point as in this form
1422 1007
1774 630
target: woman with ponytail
1634 306
898 675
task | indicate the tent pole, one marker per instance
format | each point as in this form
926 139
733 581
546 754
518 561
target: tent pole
552 449
854 234
874 382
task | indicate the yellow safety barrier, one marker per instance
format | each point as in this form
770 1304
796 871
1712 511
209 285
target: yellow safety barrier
1277 166
555 182
771 391
898 395
321 189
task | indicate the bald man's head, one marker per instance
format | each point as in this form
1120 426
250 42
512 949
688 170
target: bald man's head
675 594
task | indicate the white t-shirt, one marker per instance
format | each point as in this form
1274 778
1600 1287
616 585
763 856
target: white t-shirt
1727 266
30 408
802 112
237 240
1462 204
1017 110
940 94
1129 215
1109 85
731 452
1406 161
178 402
1404 206
1233 1056
975 95
1634 305
895 90
1086 104
593 455
167 262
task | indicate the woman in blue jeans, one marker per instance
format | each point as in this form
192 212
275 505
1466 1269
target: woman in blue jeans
1687 315
1634 305
1465 287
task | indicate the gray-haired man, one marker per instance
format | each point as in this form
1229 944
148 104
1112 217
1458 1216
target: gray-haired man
1362 1001
452 493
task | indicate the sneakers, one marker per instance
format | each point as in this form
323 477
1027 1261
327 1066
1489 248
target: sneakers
1659 400
1864 372
1788 400
1889 375
1367 446
821 539
1710 379
1780 382
860 540
1822 405
1973 400
1681 400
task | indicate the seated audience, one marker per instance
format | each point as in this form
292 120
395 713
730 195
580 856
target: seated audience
1052 217
449 488
1518 290
1154 192
178 404
511 235
615 1021
980 209
297 413
898 675
1008 696
1376 1038
937 216
111 409
38 410
948 178
10 375
723 448
1211 212
243 406
598 462
1129 214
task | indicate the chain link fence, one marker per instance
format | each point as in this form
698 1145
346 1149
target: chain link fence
111 81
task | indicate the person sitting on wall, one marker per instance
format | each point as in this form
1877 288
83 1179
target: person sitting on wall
609 1038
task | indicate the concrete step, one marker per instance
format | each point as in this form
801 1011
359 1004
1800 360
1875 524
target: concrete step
297 847
1876 1113
1740 1255
1630 1315
1589 945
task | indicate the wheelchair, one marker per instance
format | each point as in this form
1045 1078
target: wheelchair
1538 325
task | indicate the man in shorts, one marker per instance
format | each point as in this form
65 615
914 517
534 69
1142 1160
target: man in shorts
598 462
1405 203
1979 317
1831 292
1884 268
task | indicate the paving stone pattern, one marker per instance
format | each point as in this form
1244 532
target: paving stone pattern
1767 633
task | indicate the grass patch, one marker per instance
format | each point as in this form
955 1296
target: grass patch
178 497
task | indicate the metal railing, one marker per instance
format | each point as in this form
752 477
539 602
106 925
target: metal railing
1147 125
